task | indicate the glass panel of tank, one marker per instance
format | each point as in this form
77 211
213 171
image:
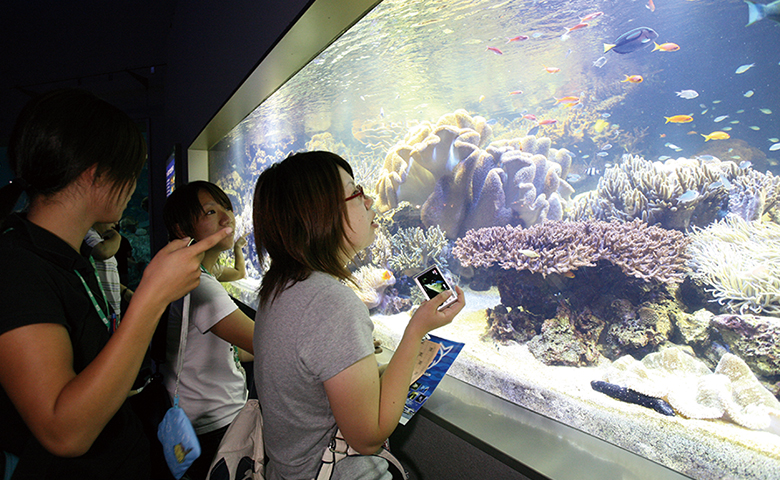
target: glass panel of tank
597 176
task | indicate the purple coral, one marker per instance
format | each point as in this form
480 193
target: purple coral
640 250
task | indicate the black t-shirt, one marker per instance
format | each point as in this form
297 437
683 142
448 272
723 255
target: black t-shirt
39 285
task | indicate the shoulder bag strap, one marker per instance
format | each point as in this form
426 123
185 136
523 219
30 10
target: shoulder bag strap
185 325
339 449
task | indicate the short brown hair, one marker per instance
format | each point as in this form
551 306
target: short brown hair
182 208
298 217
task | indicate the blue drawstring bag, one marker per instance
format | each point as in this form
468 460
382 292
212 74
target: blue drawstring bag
180 444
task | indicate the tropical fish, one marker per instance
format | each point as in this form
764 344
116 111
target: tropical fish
721 118
664 157
734 122
600 62
650 5
516 92
576 27
744 68
570 100
765 110
757 12
518 38
591 16
679 119
718 135
726 129
705 111
633 79
570 274
551 69
748 94
666 47
688 196
481 98
741 110
606 115
745 163
672 146
774 147
533 131
548 121
717 101
774 139
530 116
592 171
528 253
495 50
688 94
606 146
753 127
692 132
602 154
632 40
600 125
574 178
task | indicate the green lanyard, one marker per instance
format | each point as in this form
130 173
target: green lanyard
112 323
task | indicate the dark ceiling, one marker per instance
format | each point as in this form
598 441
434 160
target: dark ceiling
117 49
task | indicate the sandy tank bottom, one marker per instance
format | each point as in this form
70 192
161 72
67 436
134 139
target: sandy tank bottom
702 449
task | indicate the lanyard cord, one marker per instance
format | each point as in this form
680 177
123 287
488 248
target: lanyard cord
113 323
185 325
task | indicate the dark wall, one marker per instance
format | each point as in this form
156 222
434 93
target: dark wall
212 49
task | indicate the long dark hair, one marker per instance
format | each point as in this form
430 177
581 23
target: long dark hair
298 216
183 207
61 134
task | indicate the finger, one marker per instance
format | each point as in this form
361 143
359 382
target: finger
210 241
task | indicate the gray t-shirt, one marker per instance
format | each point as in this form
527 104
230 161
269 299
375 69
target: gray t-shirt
311 332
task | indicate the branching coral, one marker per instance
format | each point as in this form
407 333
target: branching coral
410 249
740 261
674 194
641 251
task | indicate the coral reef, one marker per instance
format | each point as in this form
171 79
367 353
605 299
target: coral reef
739 261
732 392
461 186
640 250
754 339
409 250
677 193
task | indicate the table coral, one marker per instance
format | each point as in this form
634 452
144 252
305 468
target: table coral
740 262
640 250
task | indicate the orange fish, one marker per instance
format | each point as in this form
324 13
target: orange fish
716 136
666 47
679 119
662 135
548 121
650 5
576 27
495 50
591 16
516 92
633 79
692 132
569 100
518 38
530 116
568 274
551 69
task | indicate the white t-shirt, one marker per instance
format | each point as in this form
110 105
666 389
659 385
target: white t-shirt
212 384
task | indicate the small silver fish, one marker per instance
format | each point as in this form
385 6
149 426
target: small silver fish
688 196
774 147
688 94
721 118
744 68
602 154
748 94
607 146
528 253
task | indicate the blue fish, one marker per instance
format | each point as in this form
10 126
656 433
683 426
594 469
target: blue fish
757 11
688 196
632 40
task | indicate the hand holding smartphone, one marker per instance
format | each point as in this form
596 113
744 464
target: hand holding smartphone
431 282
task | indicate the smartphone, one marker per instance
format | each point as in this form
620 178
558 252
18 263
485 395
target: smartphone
432 282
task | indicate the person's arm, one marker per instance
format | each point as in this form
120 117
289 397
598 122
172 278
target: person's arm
238 271
109 246
367 407
66 411
237 329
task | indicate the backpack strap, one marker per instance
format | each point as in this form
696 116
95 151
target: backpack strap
339 449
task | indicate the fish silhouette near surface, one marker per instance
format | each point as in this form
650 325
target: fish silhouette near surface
757 11
632 40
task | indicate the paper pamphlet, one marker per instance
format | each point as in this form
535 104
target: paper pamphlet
435 358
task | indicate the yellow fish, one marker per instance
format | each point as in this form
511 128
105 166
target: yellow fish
528 253
718 135
679 119
600 125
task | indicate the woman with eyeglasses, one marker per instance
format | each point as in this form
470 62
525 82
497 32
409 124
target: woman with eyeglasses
66 364
314 356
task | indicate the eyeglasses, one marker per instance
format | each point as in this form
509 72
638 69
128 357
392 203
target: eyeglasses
360 193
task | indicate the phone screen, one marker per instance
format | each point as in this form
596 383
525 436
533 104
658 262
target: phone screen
432 282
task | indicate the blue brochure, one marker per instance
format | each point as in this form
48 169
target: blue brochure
423 387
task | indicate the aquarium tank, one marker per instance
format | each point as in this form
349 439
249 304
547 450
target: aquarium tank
600 177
